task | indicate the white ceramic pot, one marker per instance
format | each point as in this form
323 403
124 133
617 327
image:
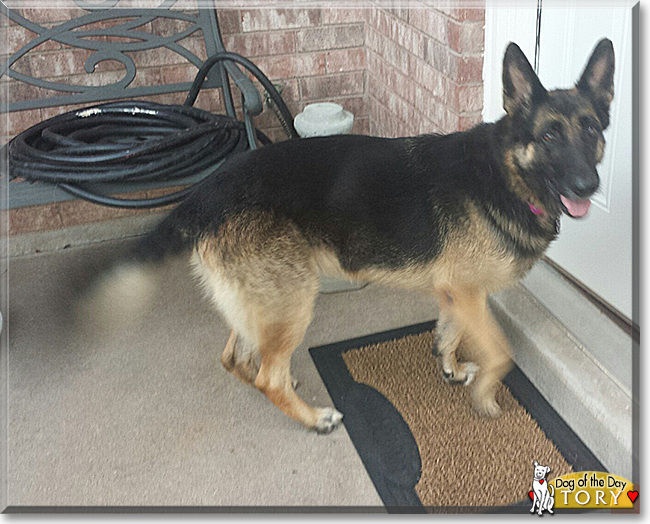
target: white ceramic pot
323 119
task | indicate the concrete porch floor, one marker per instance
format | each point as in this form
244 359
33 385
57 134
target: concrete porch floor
150 418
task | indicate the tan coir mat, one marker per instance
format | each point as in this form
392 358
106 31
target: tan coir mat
420 439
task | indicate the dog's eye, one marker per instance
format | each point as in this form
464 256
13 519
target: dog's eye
549 136
590 126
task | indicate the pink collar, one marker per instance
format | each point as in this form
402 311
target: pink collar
535 210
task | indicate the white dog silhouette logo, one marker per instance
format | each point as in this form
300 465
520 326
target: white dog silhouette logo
543 497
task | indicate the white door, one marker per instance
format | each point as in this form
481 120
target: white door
596 250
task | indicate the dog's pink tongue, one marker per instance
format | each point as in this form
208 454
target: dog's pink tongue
576 208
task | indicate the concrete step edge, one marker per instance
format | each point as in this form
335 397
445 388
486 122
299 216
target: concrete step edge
584 395
77 236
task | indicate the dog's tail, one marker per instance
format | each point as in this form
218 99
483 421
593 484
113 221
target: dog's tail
123 293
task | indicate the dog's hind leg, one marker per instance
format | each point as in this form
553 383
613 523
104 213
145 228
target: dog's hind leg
469 309
238 357
281 320
277 344
265 287
448 339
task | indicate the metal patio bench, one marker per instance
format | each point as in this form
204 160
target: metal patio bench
110 33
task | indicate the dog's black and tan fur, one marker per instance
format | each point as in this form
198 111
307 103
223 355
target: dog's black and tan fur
460 216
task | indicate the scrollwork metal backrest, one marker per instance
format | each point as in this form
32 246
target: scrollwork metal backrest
112 43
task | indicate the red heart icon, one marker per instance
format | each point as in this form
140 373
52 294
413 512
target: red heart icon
632 495
530 494
541 481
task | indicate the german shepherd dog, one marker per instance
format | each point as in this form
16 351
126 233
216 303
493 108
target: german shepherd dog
460 216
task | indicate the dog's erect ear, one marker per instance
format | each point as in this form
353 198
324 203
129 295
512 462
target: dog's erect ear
535 463
597 80
521 87
548 470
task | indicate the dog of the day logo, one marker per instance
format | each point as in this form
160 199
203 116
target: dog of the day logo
542 493
584 489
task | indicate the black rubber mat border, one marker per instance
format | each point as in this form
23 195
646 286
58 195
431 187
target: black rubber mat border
397 488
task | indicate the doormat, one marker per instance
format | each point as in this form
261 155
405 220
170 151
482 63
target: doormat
422 443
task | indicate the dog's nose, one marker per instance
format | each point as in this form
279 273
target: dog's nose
585 186
589 187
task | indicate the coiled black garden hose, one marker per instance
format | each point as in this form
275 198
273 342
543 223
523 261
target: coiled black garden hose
134 142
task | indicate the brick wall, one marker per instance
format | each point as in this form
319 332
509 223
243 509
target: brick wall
424 68
315 54
402 71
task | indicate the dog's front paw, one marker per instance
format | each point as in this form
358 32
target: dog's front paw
463 376
469 369
329 419
487 406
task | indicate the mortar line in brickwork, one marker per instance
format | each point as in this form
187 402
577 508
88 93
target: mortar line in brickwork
296 29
